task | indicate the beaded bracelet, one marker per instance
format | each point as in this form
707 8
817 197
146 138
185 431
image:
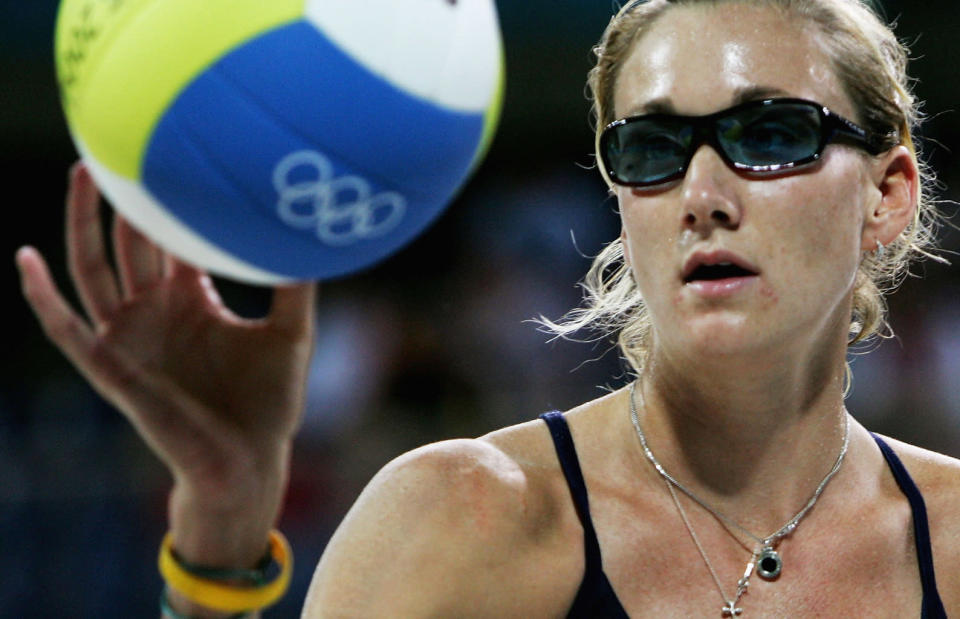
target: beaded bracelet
207 586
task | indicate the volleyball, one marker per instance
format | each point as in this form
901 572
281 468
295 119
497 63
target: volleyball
280 141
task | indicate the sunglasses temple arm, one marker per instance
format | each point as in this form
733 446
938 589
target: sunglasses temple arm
874 143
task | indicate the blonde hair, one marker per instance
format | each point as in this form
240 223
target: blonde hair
871 66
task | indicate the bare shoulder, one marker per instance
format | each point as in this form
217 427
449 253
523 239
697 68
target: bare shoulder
937 475
452 528
938 478
528 445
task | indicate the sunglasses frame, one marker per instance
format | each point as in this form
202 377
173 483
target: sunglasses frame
832 126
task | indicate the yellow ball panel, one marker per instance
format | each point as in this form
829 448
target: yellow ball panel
121 62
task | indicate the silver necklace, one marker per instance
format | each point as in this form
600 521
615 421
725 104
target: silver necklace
765 559
730 608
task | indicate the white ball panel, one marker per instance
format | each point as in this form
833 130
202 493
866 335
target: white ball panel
447 53
473 33
139 208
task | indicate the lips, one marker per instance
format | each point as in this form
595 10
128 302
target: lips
717 265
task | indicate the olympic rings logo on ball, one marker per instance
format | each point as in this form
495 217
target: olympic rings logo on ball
341 210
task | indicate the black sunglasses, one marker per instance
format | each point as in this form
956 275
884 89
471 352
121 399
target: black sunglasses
758 137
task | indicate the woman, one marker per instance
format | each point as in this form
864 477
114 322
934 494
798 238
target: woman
767 186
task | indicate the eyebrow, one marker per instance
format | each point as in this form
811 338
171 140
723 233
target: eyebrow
664 105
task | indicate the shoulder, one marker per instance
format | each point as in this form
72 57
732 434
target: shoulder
462 524
936 475
938 478
506 473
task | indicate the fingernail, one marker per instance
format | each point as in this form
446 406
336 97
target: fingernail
22 253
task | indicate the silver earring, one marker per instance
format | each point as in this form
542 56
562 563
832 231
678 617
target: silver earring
881 250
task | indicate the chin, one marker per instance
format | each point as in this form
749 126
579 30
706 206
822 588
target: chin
723 334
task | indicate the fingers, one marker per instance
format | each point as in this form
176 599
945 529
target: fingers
178 269
140 263
292 308
190 280
86 254
63 326
134 393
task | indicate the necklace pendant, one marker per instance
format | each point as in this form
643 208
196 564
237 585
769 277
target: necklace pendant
769 563
731 609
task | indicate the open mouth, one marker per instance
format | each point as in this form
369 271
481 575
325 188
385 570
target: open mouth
713 272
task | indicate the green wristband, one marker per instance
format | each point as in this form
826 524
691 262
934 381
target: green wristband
257 576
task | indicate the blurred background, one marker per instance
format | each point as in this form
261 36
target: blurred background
433 344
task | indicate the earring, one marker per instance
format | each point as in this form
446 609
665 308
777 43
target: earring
881 250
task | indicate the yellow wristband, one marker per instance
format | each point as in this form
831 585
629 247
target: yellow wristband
218 596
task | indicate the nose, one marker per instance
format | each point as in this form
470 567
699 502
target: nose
708 198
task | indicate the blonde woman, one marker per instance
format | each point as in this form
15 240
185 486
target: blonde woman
769 190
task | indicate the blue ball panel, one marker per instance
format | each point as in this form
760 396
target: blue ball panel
213 158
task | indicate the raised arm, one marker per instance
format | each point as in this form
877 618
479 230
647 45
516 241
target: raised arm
216 397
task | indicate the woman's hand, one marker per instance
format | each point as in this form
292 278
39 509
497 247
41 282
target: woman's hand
218 398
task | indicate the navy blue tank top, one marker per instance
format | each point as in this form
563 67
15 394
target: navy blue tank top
596 597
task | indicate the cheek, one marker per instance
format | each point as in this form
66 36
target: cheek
839 224
647 237
824 230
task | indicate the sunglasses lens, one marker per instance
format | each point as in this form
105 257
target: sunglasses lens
646 151
772 136
762 137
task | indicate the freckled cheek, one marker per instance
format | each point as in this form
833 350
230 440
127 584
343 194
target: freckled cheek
820 258
834 240
654 266
650 245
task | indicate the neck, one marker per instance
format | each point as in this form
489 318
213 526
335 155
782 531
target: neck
751 436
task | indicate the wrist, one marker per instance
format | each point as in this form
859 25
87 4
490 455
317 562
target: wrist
226 522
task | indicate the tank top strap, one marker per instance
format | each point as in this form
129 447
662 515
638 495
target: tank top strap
567 454
932 604
595 597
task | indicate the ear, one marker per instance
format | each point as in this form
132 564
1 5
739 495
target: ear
896 177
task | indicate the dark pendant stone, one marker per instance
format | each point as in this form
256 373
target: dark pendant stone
769 564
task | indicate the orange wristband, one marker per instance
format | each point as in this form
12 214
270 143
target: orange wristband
216 595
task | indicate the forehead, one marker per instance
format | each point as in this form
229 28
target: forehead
697 59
